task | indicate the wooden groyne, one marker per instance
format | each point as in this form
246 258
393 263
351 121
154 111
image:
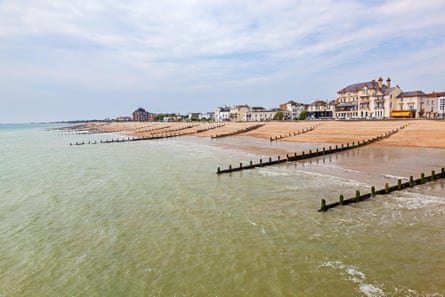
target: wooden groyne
165 134
247 129
295 133
312 154
386 190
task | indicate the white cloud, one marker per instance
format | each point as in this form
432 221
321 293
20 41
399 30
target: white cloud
198 45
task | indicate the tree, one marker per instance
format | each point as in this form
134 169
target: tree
302 116
279 116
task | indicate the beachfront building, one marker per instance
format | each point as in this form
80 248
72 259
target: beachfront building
320 109
260 114
238 113
411 104
222 113
141 115
293 109
366 100
437 99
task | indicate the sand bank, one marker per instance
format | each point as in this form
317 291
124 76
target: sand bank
419 133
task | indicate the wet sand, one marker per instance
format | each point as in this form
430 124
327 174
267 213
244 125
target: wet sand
419 147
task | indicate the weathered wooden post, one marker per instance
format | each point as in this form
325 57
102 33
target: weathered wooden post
411 181
270 159
372 191
251 163
443 173
433 175
230 167
241 165
399 184
386 188
341 199
422 178
357 196
278 158
323 205
261 162
218 170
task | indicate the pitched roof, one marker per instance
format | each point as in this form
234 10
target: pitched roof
359 86
412 94
436 94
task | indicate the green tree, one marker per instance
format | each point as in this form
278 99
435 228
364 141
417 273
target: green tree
279 116
302 116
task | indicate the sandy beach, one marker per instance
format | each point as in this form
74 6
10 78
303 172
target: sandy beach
418 133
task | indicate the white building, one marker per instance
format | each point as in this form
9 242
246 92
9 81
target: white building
222 114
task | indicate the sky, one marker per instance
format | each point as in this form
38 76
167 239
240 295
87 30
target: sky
94 59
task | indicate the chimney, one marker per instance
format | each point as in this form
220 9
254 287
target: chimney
388 82
380 81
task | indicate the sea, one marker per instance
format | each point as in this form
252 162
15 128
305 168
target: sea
152 218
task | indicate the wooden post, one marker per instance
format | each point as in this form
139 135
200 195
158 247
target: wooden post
372 191
261 162
357 196
411 181
399 184
240 165
230 167
219 170
433 175
422 178
323 205
443 173
251 163
386 188
341 199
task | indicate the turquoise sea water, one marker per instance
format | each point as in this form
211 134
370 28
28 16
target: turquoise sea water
153 219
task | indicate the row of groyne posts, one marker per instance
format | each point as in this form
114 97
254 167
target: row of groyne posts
168 134
388 189
311 154
296 133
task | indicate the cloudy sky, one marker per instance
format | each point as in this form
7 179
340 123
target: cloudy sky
92 59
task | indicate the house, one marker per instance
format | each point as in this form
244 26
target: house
238 113
408 105
140 115
293 109
436 102
123 119
260 114
319 109
222 114
366 100
194 116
